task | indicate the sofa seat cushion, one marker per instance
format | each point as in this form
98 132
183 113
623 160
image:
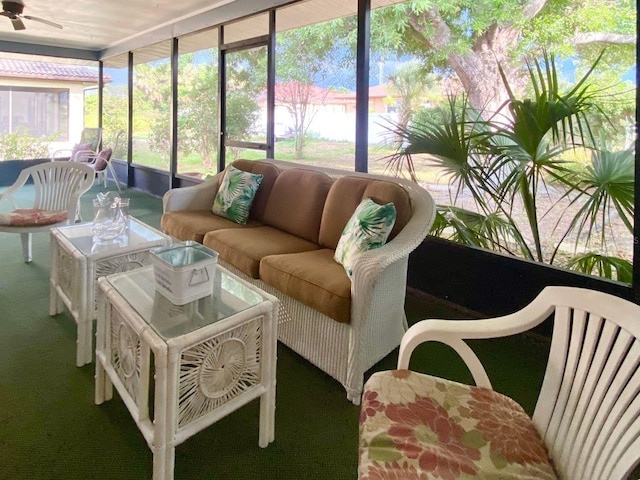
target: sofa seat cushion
194 224
244 248
417 426
312 278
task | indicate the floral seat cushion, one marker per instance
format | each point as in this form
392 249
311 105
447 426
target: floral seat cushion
414 426
24 217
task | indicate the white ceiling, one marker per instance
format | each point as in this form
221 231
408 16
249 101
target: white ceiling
98 29
98 25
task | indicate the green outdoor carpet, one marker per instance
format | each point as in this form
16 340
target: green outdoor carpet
50 429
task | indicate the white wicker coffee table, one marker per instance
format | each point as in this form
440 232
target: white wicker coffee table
210 357
77 262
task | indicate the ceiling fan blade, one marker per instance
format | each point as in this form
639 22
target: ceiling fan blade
17 24
42 20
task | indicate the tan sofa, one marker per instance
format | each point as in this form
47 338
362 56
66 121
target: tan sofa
343 326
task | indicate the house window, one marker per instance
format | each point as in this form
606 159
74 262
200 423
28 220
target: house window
37 112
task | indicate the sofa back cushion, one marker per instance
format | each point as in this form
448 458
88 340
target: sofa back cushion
346 194
296 202
269 174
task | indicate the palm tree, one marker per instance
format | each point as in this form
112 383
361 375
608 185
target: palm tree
510 161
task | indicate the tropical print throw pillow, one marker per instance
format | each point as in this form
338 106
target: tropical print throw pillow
236 193
368 228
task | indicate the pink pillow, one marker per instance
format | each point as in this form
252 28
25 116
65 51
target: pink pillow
24 217
102 160
81 147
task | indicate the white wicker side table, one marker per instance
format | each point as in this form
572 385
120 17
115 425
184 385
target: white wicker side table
210 357
77 263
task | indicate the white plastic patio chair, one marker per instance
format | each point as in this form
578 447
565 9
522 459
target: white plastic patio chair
101 161
58 187
587 416
88 146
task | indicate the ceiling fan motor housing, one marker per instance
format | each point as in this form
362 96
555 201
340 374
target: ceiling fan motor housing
14 7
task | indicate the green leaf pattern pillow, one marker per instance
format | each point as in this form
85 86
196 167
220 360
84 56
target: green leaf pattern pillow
236 193
368 228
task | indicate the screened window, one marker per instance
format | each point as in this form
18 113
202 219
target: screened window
115 105
152 106
198 104
37 112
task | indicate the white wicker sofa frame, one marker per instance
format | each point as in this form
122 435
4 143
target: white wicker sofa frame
378 288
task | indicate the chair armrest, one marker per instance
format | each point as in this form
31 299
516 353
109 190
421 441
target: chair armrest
198 197
85 156
8 193
61 153
8 197
454 333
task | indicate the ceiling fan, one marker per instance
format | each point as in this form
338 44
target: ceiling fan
13 9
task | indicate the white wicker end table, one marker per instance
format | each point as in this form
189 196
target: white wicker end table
77 262
210 357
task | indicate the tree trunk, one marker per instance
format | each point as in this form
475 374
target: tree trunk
477 70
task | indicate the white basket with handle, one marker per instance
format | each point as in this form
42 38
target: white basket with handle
184 271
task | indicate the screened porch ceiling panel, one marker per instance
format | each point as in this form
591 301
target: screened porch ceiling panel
99 24
110 26
287 18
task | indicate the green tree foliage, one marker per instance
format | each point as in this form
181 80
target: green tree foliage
410 83
151 101
198 106
197 102
470 39
115 106
246 80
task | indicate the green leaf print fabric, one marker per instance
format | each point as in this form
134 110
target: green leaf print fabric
368 228
236 193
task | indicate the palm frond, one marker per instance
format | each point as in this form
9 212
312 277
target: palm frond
613 268
605 186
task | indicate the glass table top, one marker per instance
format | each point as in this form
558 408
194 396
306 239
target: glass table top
230 296
138 234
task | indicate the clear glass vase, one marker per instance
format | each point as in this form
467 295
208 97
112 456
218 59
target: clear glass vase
110 217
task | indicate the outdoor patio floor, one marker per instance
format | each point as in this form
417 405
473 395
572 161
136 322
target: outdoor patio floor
51 429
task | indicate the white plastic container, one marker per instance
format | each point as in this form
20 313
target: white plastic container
184 271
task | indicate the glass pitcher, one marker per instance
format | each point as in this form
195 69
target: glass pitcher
110 217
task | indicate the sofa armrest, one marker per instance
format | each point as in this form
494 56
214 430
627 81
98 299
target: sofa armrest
198 197
369 266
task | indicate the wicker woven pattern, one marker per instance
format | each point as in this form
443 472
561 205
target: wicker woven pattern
117 264
219 369
125 354
378 288
174 385
77 262
67 276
